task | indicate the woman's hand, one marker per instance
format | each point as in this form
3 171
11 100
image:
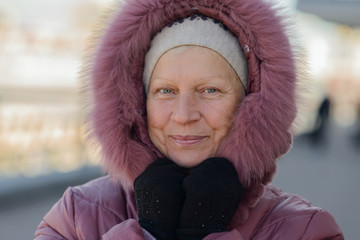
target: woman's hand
213 194
159 198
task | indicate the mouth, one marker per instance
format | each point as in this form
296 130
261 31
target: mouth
188 140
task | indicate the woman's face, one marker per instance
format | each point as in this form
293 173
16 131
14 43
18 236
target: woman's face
193 95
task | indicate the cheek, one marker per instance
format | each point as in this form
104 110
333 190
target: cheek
219 115
157 119
157 114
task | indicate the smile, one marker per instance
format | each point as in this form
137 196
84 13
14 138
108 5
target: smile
188 140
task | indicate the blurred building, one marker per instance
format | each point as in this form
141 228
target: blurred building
331 37
340 11
41 110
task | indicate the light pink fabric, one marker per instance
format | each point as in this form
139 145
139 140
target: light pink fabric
102 209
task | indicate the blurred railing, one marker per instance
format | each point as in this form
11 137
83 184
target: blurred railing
41 116
41 131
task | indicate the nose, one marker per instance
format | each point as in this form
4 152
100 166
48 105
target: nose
186 109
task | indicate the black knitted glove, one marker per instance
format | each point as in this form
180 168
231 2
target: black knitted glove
213 194
159 198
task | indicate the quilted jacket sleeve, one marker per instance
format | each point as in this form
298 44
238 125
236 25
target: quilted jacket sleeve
308 226
67 220
59 223
129 229
62 223
323 226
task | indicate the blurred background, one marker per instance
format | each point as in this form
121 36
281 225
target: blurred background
42 138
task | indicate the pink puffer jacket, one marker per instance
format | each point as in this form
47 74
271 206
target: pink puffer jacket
260 134
101 209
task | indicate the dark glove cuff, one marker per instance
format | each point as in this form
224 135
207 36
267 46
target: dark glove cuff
161 234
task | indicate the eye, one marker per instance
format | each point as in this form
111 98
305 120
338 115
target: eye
210 90
165 91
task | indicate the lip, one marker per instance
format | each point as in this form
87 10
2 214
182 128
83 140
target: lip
188 140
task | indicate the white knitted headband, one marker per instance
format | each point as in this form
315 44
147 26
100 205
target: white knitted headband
197 30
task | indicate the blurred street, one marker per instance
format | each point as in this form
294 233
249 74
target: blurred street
22 210
327 175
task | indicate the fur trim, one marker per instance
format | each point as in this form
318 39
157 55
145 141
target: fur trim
261 127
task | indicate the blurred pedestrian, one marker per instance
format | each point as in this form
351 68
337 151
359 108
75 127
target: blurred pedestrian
193 102
356 134
318 134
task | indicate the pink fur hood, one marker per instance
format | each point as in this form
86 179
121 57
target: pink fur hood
261 127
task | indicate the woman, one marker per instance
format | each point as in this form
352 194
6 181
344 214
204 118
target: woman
193 102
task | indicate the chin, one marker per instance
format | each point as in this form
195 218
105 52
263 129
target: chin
188 160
